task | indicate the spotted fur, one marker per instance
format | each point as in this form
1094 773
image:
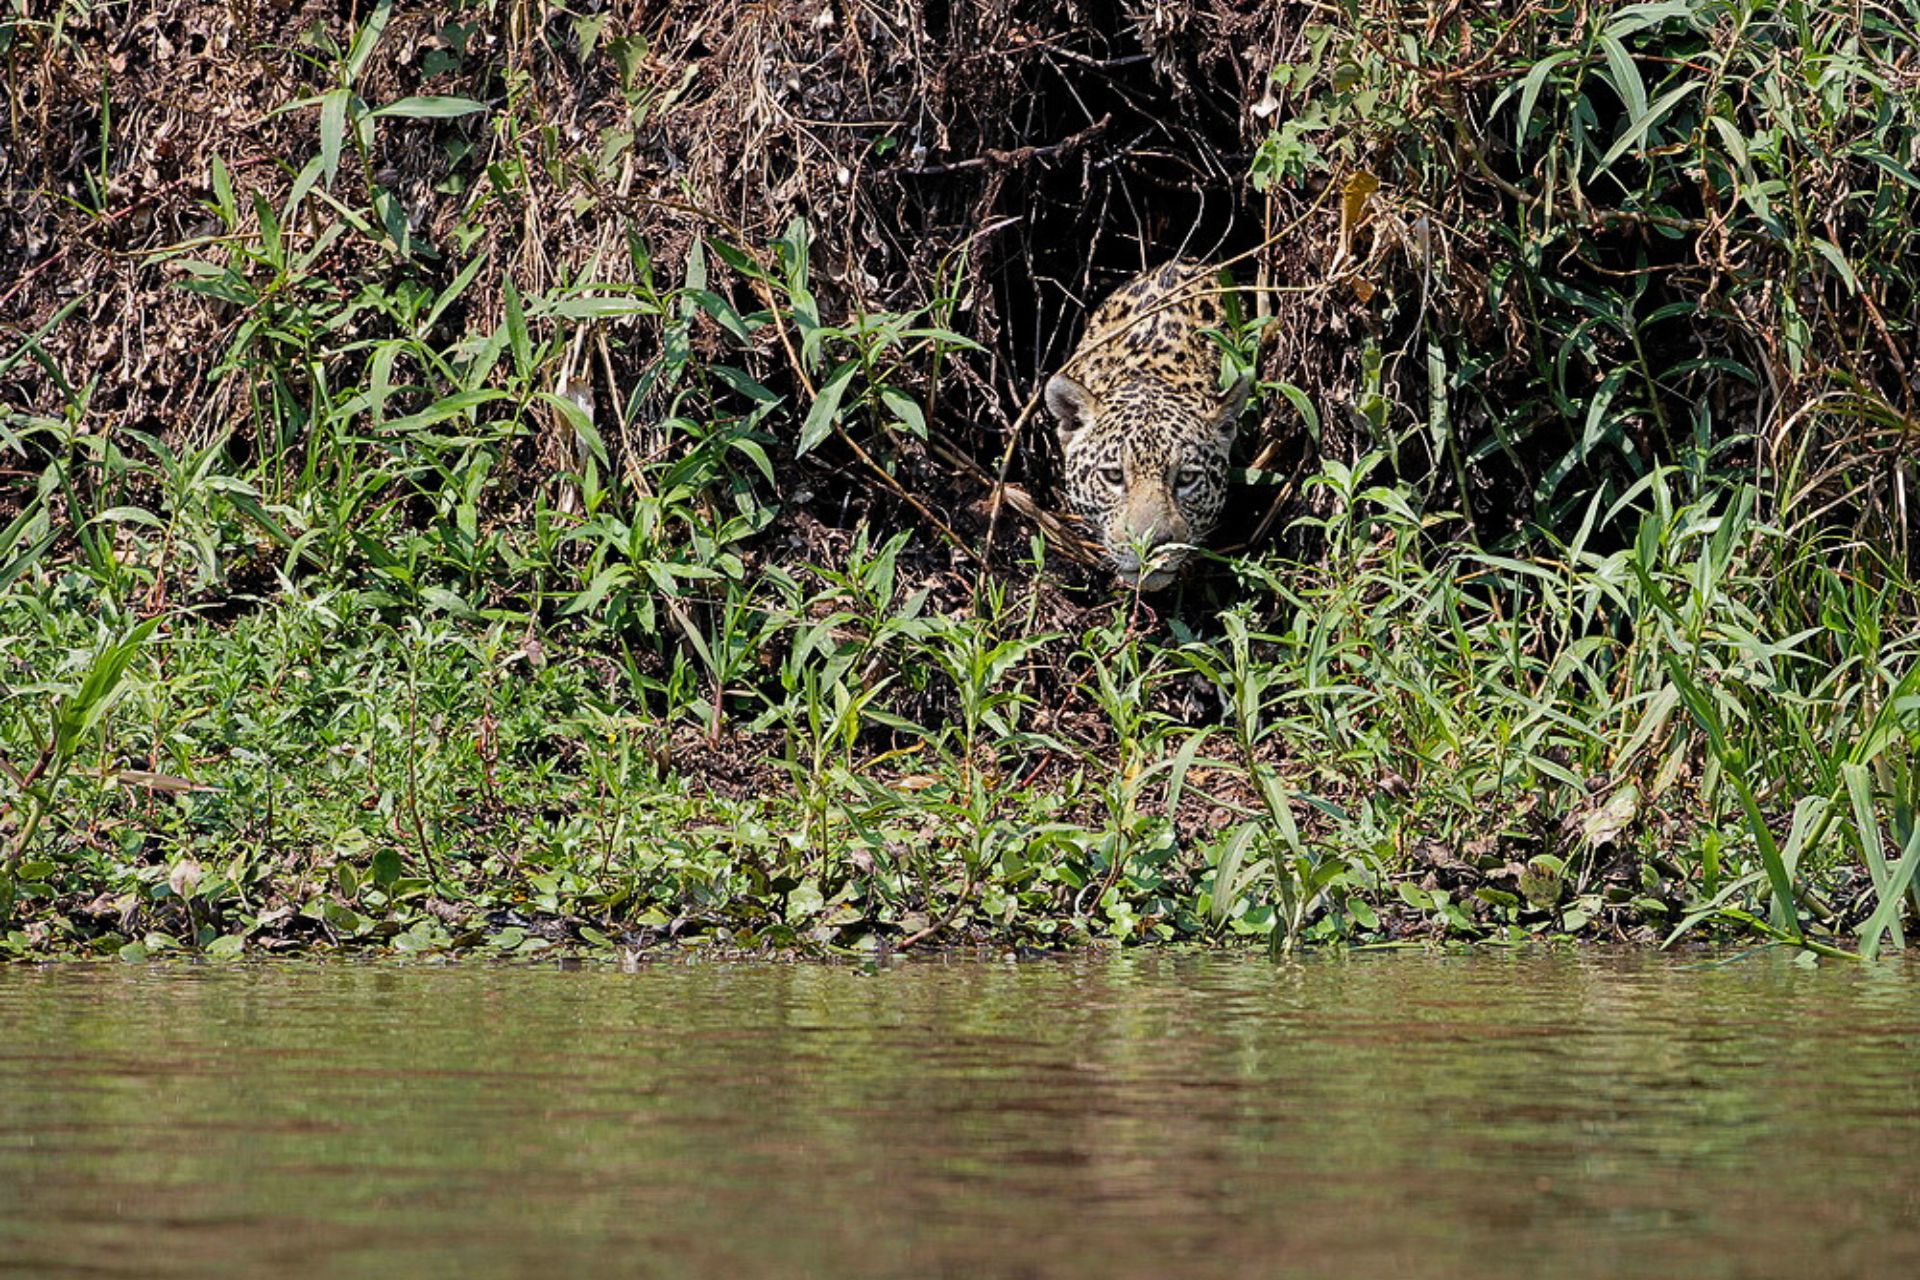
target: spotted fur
1144 430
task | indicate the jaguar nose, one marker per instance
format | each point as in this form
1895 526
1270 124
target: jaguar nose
1153 524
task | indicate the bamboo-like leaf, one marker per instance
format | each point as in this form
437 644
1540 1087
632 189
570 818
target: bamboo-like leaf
1859 785
366 38
429 108
905 408
333 132
819 421
223 194
1178 768
518 339
380 381
1831 252
25 557
459 404
1646 120
81 712
1232 874
1659 708
605 581
303 182
1733 766
166 783
1530 92
1624 76
1895 168
1730 138
1302 405
1630 18
1886 915
451 294
580 420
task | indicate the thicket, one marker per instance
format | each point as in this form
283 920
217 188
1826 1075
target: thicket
508 472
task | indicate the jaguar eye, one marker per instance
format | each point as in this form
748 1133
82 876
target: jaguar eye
1113 476
1189 477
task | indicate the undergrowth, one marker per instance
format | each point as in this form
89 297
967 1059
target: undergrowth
678 592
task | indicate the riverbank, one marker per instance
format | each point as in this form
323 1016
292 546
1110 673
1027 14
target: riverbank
1375 746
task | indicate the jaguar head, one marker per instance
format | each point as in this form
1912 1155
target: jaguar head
1146 467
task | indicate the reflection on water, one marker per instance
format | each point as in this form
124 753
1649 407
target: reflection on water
1114 1117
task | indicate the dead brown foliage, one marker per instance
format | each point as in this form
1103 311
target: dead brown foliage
1050 147
1024 155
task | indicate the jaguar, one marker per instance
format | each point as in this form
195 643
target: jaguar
1145 431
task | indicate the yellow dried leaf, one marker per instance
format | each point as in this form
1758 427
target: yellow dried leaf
1353 199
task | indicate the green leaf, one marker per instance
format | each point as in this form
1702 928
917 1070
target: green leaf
606 580
1886 915
1302 405
722 311
223 194
1181 763
1530 92
447 601
333 132
453 291
386 867
272 248
1896 169
129 515
518 338
819 421
744 385
1637 17
1730 138
1733 769
366 38
1647 118
79 714
906 409
1831 252
756 454
1625 76
735 258
1598 426
429 108
804 901
580 421
344 918
456 405
1233 874
601 307
303 182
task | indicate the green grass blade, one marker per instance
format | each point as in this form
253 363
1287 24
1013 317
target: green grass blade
1886 916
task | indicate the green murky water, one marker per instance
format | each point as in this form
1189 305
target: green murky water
1432 1116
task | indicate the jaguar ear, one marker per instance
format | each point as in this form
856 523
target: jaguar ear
1071 405
1231 405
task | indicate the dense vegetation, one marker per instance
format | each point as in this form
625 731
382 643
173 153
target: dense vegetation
501 474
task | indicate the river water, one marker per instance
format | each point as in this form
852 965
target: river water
1151 1116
